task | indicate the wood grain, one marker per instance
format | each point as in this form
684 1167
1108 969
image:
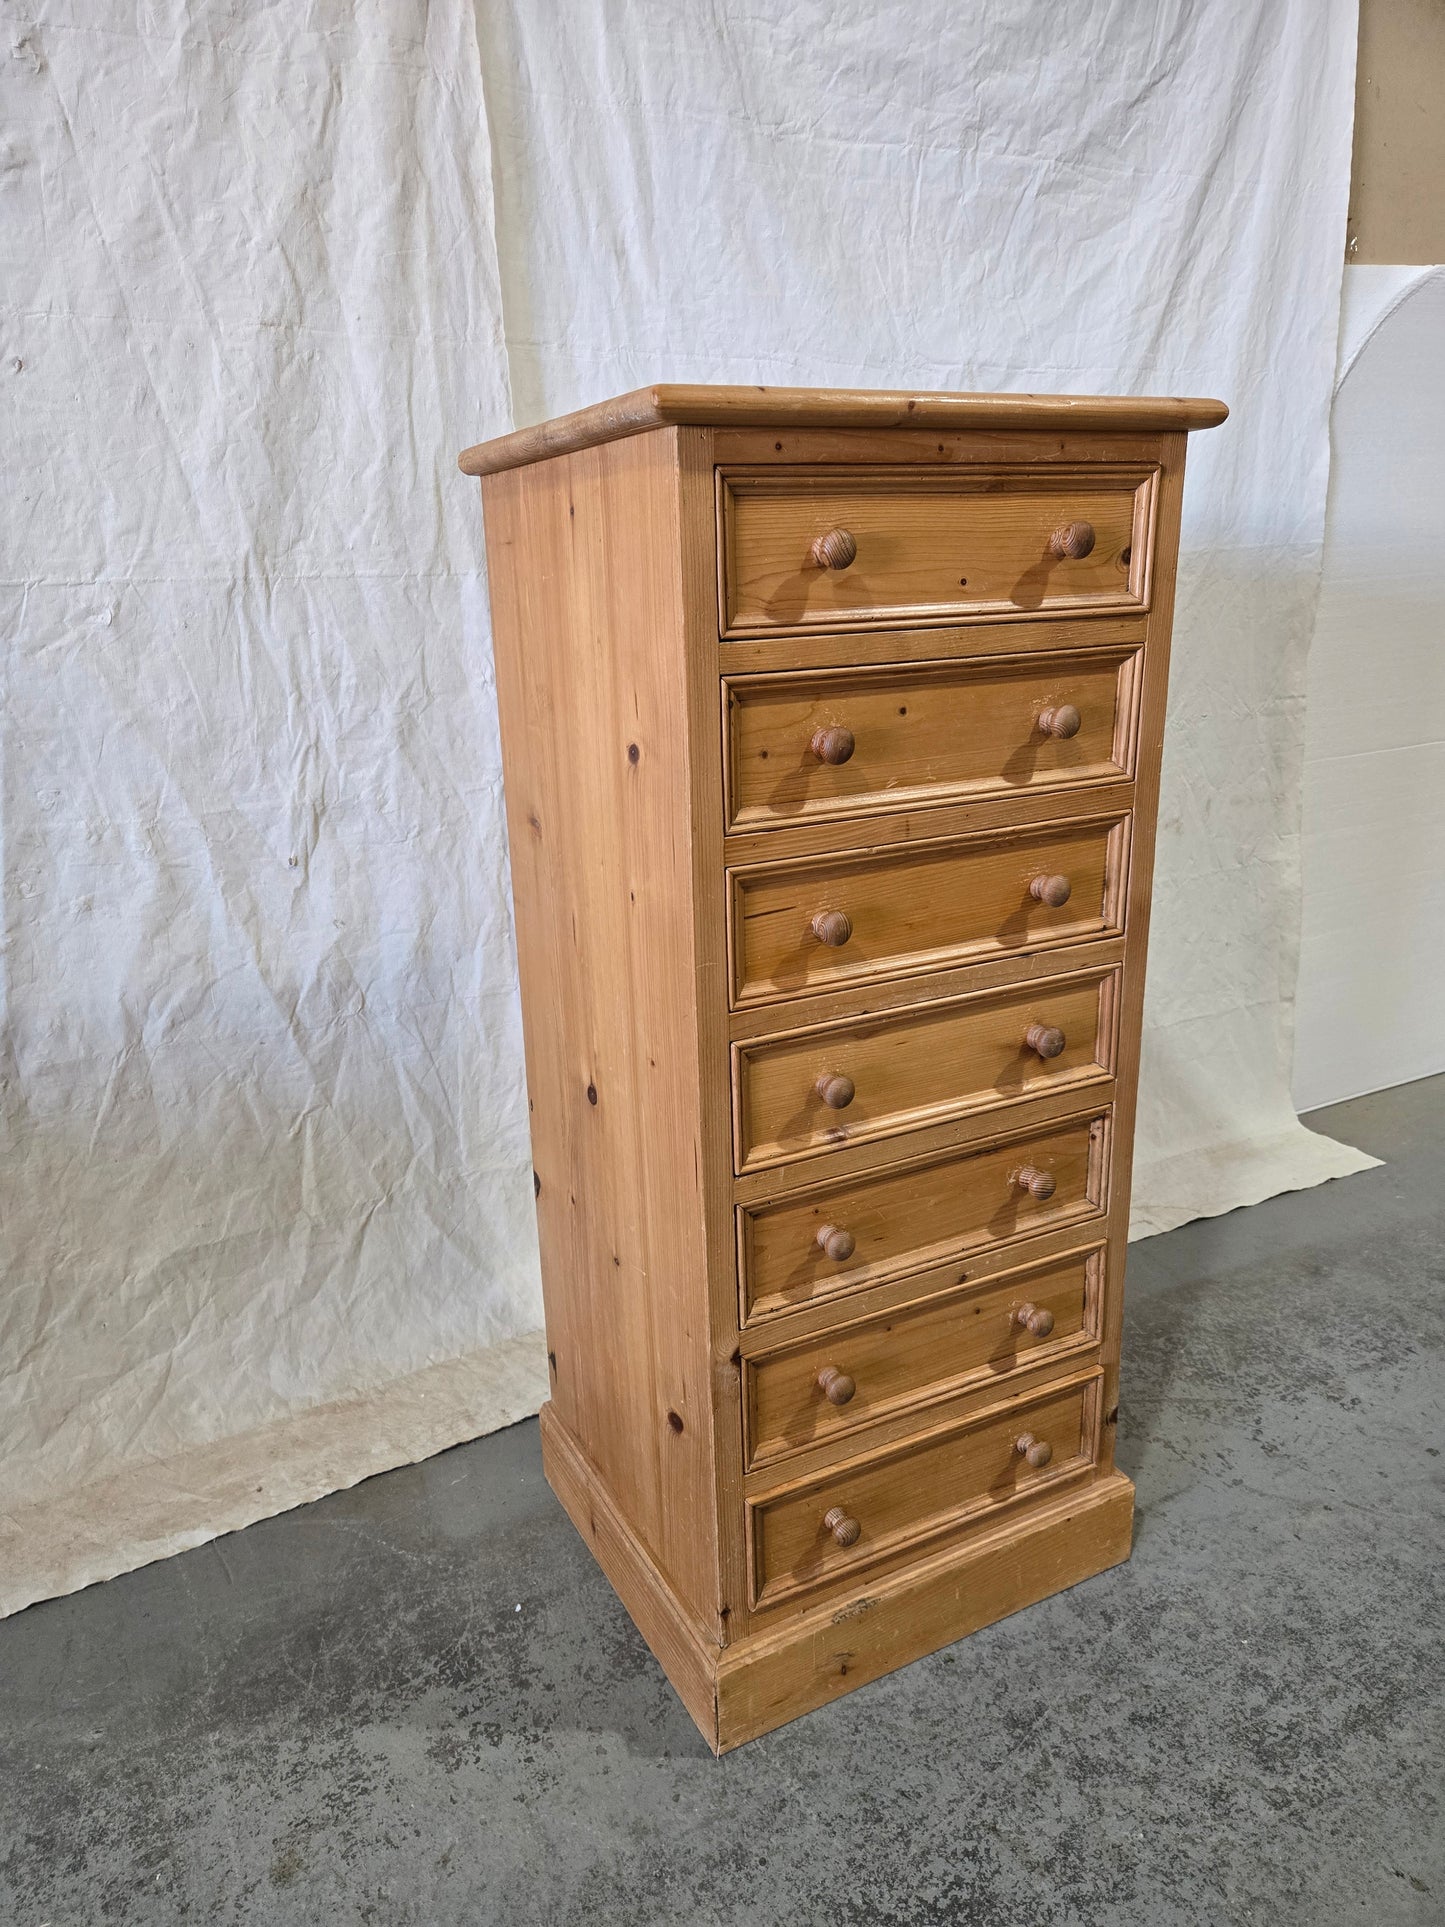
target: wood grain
913 1355
1141 871
587 623
690 451
928 546
682 1648
808 1658
917 1066
666 403
927 907
976 640
946 1478
906 1217
932 733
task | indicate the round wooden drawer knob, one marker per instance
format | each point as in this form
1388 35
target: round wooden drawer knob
833 745
1032 1451
835 1243
1063 722
835 1386
1044 1041
832 928
1038 1184
1051 890
1036 1320
1072 542
837 549
835 1090
845 1531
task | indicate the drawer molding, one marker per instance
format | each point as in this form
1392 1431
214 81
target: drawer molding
915 529
1006 1354
848 649
915 1190
808 1657
927 734
922 1039
998 1482
899 902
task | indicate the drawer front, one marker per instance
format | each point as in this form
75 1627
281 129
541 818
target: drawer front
925 546
914 1354
817 1090
822 922
936 733
844 1520
838 1238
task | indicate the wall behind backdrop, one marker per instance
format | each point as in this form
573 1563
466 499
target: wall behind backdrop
266 1193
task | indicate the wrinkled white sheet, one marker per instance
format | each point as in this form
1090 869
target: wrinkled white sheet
264 1185
264 1125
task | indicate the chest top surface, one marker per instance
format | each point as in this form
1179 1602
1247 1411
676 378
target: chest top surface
666 404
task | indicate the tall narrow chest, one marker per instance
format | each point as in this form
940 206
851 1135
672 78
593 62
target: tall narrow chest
831 727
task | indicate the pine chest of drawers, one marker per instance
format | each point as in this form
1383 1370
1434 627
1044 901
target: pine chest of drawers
831 728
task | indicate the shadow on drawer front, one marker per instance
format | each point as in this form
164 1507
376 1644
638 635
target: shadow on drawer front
808 748
843 1520
913 1355
837 1238
814 1091
801 549
822 922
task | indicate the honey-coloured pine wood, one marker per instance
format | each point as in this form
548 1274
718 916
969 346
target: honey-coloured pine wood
831 728
598 784
911 1355
672 403
831 745
813 1091
810 924
905 546
947 1479
907 1216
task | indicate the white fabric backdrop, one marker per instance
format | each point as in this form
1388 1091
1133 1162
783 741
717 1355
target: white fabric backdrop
266 1213
1370 1012
267 1216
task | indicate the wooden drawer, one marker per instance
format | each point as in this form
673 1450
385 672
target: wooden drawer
912 1355
930 733
821 922
812 1091
910 1216
928 546
843 1520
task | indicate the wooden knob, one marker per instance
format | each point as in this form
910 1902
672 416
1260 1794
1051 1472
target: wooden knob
1032 1451
835 1386
1063 722
835 1090
832 745
1071 543
832 928
1036 1320
837 549
845 1531
1054 890
835 1243
1038 1184
1043 1040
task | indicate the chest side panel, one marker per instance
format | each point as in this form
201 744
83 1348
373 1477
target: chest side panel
583 559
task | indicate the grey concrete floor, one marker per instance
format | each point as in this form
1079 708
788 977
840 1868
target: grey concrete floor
418 1701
